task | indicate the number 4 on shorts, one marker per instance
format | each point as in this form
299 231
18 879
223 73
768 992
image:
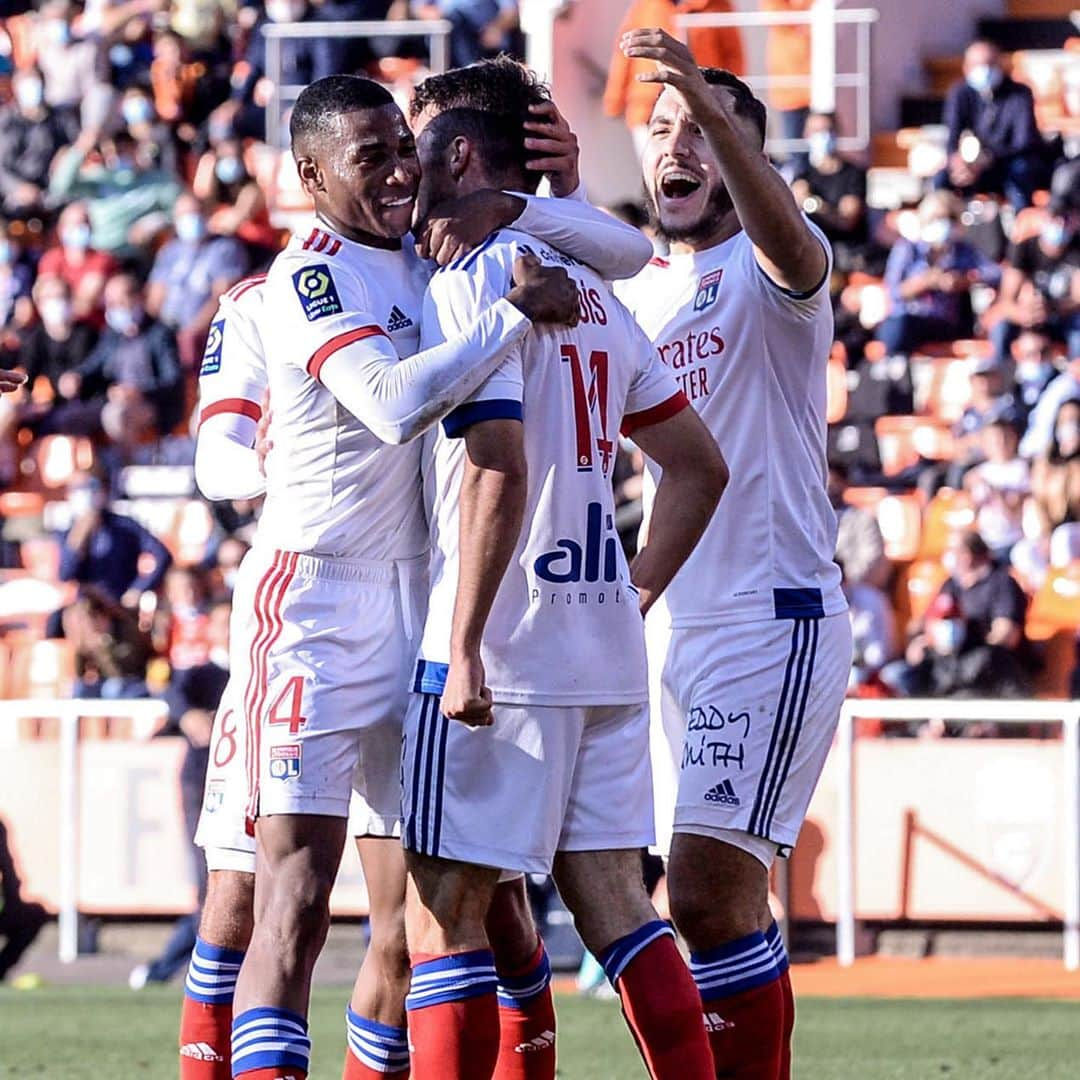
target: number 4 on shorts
294 690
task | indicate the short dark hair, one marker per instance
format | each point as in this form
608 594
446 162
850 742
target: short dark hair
320 104
487 102
975 545
746 104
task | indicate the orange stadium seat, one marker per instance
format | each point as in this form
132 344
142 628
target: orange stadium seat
949 392
947 512
903 440
865 498
922 583
900 519
1056 606
57 457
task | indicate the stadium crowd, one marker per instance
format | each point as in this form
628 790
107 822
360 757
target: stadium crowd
137 188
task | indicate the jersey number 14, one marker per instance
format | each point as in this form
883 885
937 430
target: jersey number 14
588 398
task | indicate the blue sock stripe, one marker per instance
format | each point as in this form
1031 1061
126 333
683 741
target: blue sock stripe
215 954
373 1028
516 991
452 978
615 958
267 1038
732 949
733 968
380 1047
776 943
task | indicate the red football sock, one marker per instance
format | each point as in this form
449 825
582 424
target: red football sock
745 1032
276 1072
527 1040
454 1036
355 1069
663 1009
789 1025
205 1041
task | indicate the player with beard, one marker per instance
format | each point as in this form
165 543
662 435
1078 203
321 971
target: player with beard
755 646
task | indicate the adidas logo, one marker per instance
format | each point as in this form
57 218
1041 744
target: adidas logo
200 1052
398 320
541 1042
715 1022
723 793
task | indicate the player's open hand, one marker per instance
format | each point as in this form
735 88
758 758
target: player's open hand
453 228
10 381
555 147
544 294
675 67
263 443
465 697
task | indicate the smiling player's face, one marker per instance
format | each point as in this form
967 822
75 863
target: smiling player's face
369 175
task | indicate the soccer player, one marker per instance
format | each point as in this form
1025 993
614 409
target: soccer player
560 782
341 534
759 647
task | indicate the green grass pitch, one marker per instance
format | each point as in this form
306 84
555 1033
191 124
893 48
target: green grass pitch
86 1033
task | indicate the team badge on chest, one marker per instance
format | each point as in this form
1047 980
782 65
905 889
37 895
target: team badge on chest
708 289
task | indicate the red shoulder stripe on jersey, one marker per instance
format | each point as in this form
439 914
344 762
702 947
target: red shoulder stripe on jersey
244 286
334 248
321 242
656 415
238 406
311 239
314 365
657 261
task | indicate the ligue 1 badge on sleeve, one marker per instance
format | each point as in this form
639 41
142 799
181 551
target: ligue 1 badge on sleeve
285 761
708 289
317 292
211 364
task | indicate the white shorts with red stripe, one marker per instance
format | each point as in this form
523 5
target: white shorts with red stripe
322 651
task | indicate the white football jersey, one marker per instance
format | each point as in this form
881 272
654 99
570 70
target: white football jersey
333 488
232 378
751 357
564 628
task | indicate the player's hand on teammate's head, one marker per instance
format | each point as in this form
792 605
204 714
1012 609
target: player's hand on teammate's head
556 148
453 228
675 66
11 380
544 294
263 443
465 697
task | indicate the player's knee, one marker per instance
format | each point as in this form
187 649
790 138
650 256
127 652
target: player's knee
510 927
228 911
706 918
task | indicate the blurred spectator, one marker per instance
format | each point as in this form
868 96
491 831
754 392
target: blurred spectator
84 269
182 632
480 27
134 369
991 403
1034 370
193 697
149 131
832 191
1040 432
227 559
972 641
20 921
55 345
929 280
185 89
31 133
998 487
994 143
73 67
189 275
860 548
1055 474
111 553
1065 186
303 61
235 202
873 631
203 25
126 196
16 278
787 55
712 47
111 651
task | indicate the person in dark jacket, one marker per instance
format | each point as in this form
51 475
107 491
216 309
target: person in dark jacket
994 143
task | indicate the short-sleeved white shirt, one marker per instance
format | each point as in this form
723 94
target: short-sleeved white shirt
564 628
751 357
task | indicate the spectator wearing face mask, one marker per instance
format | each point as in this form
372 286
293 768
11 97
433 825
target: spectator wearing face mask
994 143
134 370
929 280
189 276
832 191
971 642
31 134
141 122
1034 368
1040 430
999 485
1055 474
992 402
83 268
235 202
73 70
1040 289
223 574
128 199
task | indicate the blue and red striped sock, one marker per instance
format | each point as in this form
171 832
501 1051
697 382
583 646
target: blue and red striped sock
206 1015
527 1021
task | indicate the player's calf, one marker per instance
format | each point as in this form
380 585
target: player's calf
617 922
207 1011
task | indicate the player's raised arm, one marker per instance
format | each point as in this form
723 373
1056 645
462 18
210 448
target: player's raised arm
784 246
398 399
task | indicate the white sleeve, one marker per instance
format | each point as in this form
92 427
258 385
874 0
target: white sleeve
232 380
613 249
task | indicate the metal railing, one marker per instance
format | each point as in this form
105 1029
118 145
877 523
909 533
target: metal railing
69 713
437 30
823 80
959 711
